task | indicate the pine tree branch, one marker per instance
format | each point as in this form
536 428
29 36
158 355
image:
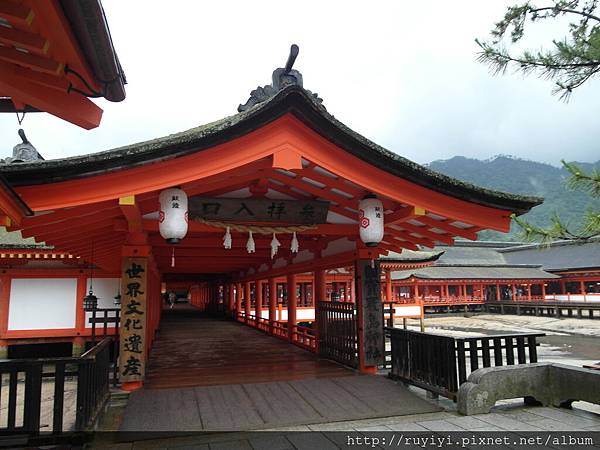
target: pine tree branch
559 10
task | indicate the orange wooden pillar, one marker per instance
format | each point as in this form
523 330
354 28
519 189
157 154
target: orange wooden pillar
320 291
272 304
4 305
292 303
388 286
543 292
79 340
514 292
528 291
319 295
238 300
258 293
247 302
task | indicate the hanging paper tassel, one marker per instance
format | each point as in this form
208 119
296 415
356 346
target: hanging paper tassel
173 257
250 244
294 247
274 246
227 239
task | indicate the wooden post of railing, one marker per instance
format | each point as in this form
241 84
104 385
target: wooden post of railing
33 396
94 326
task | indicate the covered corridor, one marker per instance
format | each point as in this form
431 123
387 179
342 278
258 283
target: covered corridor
194 349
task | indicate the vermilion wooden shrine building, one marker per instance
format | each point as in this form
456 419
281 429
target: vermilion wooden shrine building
283 168
477 272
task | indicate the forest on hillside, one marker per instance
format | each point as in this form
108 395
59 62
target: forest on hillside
519 176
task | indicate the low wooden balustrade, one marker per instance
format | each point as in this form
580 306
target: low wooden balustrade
440 364
279 329
301 336
26 378
304 337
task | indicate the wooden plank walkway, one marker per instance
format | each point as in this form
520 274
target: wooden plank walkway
193 349
256 406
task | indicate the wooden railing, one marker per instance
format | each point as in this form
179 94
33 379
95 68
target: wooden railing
304 337
337 326
103 317
280 330
440 364
27 377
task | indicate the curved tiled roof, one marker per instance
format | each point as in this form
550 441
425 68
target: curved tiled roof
292 99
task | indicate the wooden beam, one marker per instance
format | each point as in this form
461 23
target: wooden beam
30 60
23 39
446 226
132 213
83 224
72 107
17 14
52 81
239 241
405 236
322 229
339 184
403 214
48 218
424 231
319 192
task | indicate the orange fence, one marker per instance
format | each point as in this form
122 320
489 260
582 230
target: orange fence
304 337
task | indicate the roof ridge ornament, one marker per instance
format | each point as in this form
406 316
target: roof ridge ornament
24 152
282 77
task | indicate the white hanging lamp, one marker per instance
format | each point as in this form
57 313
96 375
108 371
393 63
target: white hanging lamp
370 220
173 215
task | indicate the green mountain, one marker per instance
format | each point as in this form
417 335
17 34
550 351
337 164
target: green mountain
519 176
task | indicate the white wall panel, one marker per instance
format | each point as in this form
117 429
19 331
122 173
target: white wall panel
41 303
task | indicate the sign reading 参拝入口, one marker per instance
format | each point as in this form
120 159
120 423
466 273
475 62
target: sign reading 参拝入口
372 312
132 355
258 210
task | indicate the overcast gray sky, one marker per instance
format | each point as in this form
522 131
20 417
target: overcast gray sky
402 74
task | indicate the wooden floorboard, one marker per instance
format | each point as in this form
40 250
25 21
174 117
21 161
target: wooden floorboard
269 405
193 349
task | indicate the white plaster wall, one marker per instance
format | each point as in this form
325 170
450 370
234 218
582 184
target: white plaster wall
105 289
303 314
42 303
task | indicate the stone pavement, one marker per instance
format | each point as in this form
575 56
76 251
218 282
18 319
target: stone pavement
509 416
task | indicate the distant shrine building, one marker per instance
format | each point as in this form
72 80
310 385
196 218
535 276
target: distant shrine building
279 217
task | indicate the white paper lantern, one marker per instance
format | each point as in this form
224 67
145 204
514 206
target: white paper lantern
370 220
173 215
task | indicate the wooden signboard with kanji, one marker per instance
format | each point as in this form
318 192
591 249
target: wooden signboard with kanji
305 212
133 320
368 280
